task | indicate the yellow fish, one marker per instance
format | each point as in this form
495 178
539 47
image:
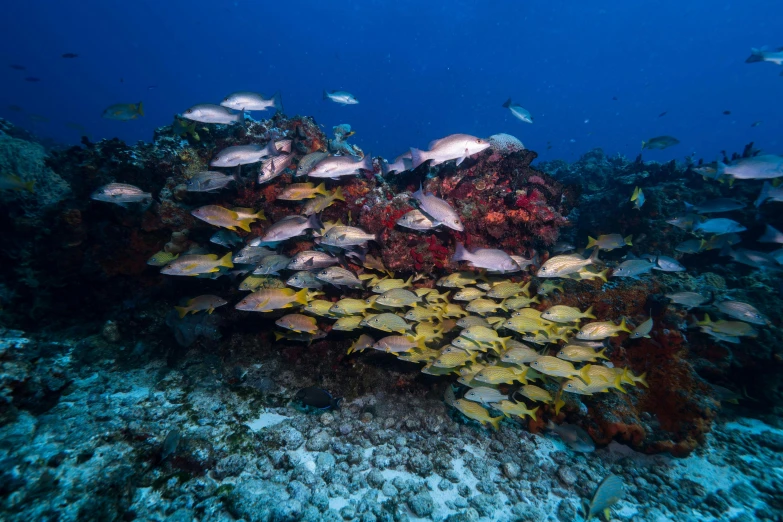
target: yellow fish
566 314
423 313
364 342
387 322
455 358
253 282
418 356
578 353
453 310
534 393
223 217
384 285
347 324
200 303
468 294
300 191
298 323
162 258
502 375
555 367
520 409
320 307
193 265
270 299
321 203
515 303
14 182
601 330
484 306
506 289
519 355
475 411
458 280
349 307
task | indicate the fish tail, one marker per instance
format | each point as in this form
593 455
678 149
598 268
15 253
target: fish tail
301 297
182 311
688 206
244 224
589 313
643 144
504 340
591 242
29 186
532 412
338 194
495 421
583 374
601 355
755 56
421 342
366 163
418 157
321 189
326 95
720 169
140 109
226 260
602 275
507 103
260 215
628 240
460 254
384 167
277 99
593 259
643 379
624 327
764 194
278 336
618 382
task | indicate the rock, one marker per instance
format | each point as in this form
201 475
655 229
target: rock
230 466
510 470
421 504
320 442
111 332
420 465
567 475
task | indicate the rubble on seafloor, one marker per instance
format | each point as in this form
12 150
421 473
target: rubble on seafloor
73 264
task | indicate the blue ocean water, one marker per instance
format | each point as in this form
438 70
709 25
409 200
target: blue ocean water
593 74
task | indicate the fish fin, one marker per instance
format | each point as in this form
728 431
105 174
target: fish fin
504 340
182 311
326 95
462 158
643 144
495 421
601 355
688 206
618 382
417 158
643 379
241 117
244 224
720 169
277 99
421 343
591 241
338 194
628 240
321 189
589 313
507 103
460 254
278 336
532 412
593 259
366 162
226 260
584 375
764 194
301 297
140 109
624 327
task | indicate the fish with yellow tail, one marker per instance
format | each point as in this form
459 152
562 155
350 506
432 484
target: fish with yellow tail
502 375
555 367
200 303
223 217
364 342
561 266
300 191
609 241
601 330
320 203
270 299
477 412
566 314
577 353
14 182
515 408
298 323
609 492
193 265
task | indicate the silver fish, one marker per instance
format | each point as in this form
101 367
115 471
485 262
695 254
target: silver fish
769 192
518 111
211 113
767 166
643 330
771 235
402 163
455 147
290 226
685 222
226 238
633 268
523 262
338 276
561 266
341 97
273 167
688 299
667 264
715 205
492 259
208 181
439 210
311 259
416 220
251 255
304 279
485 395
742 311
336 166
271 265
252 101
344 237
120 194
247 154
763 55
719 226
752 258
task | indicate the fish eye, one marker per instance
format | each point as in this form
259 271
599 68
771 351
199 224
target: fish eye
478 140
569 386
456 221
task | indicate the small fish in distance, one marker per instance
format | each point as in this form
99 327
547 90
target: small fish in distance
120 194
518 111
660 142
341 97
252 101
455 147
124 111
211 113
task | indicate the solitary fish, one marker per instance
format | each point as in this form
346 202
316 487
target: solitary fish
14 182
120 194
124 111
518 111
714 205
335 167
200 303
223 217
252 101
767 166
492 259
341 97
638 198
660 142
208 181
762 55
438 210
211 113
455 147
609 241
769 192
162 258
611 491
643 330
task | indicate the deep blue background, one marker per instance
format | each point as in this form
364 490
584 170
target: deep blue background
421 70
